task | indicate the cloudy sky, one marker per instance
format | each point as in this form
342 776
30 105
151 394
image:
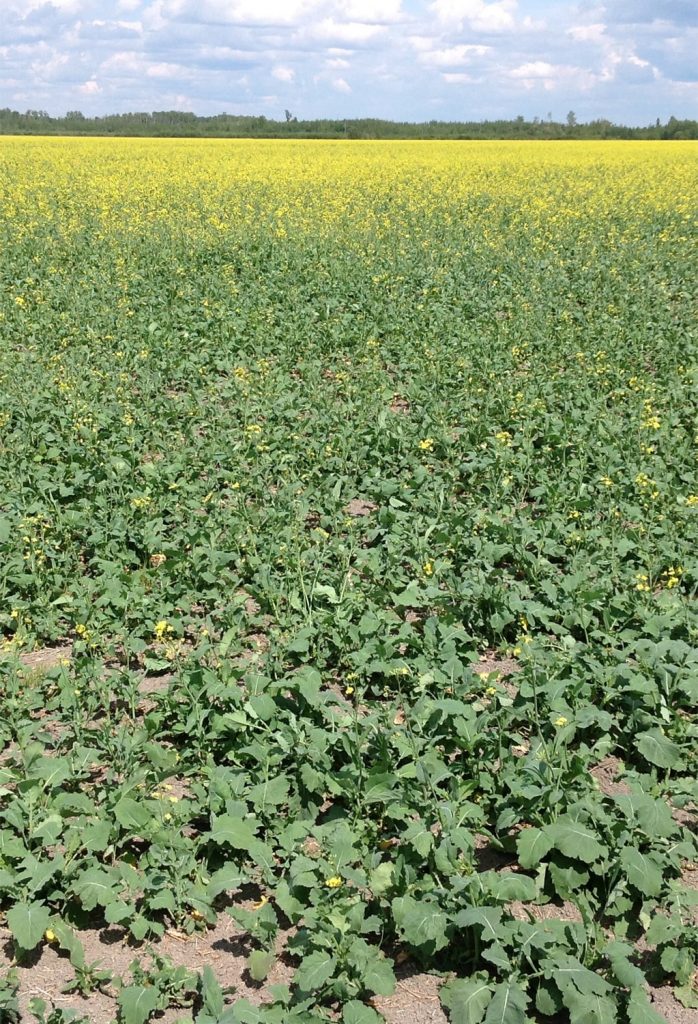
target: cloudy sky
629 60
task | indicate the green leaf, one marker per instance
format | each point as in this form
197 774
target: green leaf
229 878
259 964
639 1009
509 886
508 1005
132 814
466 1000
420 923
68 940
531 846
230 831
137 1002
381 878
687 996
658 750
589 1008
575 841
378 976
358 1013
619 955
211 993
314 971
568 972
309 683
28 922
95 887
118 911
269 794
642 870
652 815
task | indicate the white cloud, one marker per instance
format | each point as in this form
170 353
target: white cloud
476 14
542 74
453 56
165 70
379 11
457 78
587 33
352 32
283 74
341 85
90 88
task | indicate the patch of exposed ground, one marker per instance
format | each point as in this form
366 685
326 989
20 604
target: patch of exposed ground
491 662
46 658
664 1002
40 660
415 1000
359 507
48 971
45 974
607 773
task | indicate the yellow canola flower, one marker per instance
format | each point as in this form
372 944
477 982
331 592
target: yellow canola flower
560 721
334 882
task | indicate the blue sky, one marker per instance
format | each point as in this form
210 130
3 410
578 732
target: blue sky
629 60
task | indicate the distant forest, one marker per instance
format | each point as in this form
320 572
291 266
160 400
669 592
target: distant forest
178 124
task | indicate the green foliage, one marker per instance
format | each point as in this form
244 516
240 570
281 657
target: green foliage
277 494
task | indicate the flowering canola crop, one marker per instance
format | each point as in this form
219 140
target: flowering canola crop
374 463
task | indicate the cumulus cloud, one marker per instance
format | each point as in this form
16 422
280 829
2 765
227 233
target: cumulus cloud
284 74
629 60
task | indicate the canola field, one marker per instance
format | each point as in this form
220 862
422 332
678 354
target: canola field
348 535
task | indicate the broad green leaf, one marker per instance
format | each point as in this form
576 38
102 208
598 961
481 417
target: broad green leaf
355 1012
639 1009
132 814
532 845
235 832
309 683
652 815
421 923
687 995
663 929
95 887
314 971
508 1005
259 964
574 840
589 1007
28 922
657 749
68 940
379 977
466 1000
568 972
271 793
489 919
137 1002
642 870
229 878
508 886
381 878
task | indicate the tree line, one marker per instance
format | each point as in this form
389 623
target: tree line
177 123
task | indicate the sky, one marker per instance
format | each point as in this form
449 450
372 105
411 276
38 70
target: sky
628 60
